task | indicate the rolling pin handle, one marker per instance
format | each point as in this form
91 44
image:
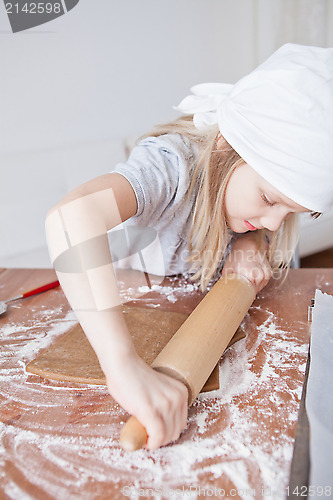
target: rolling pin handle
133 435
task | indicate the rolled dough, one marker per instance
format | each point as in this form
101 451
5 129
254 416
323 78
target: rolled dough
72 359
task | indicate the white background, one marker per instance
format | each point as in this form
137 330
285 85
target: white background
76 90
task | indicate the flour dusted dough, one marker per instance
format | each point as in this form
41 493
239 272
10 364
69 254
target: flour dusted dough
72 358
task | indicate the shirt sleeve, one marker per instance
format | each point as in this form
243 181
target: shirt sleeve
153 170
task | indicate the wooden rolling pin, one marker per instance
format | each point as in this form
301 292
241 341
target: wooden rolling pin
192 353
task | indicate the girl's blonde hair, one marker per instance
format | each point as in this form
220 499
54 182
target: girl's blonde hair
209 234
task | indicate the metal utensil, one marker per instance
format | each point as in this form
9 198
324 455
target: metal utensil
35 291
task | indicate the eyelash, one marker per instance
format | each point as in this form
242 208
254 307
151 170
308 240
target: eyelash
266 200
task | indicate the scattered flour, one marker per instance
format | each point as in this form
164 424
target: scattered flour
241 434
168 291
200 420
172 292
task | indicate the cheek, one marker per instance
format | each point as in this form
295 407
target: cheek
231 199
228 204
233 208
238 196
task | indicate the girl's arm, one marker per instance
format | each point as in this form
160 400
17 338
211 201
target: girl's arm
77 237
249 259
76 231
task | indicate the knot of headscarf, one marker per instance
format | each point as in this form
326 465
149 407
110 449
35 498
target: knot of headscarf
204 102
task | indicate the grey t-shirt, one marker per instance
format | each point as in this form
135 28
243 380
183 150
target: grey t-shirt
158 170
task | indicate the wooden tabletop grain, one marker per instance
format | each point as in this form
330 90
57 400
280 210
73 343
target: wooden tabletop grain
60 440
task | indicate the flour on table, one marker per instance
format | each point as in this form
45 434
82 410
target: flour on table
172 292
221 438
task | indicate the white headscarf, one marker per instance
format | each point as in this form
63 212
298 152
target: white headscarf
279 119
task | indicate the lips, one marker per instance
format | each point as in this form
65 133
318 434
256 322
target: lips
249 226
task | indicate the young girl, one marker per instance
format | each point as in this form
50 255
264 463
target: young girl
215 186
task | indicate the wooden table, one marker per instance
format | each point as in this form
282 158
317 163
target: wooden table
60 440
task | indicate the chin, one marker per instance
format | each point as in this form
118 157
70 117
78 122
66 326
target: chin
237 228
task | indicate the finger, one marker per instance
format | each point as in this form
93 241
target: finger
156 432
255 275
163 427
174 427
174 421
180 415
267 274
184 412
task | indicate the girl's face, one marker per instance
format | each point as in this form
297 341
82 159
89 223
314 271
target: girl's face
252 203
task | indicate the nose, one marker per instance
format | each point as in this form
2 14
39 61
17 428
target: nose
273 221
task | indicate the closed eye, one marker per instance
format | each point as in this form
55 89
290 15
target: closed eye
266 200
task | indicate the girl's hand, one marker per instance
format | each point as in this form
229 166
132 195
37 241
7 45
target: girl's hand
247 260
159 402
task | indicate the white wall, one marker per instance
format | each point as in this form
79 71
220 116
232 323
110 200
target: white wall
32 182
115 68
73 90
